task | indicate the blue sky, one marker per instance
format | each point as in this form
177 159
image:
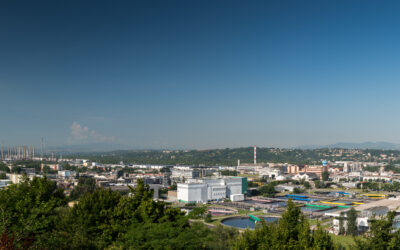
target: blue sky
199 74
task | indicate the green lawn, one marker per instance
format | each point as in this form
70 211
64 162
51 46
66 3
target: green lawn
344 241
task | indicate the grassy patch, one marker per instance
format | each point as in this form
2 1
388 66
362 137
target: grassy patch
344 241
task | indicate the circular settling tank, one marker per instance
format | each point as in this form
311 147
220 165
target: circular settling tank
245 222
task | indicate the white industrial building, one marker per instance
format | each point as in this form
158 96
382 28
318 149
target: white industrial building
270 172
305 176
188 173
66 173
211 189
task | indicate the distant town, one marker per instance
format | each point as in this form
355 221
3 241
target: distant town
335 181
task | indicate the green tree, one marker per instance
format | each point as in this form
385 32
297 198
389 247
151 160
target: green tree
197 212
342 230
223 236
103 218
4 167
85 186
208 217
168 235
3 176
325 176
47 170
298 190
321 239
28 211
29 164
293 228
307 185
16 169
319 184
228 173
91 222
352 222
268 190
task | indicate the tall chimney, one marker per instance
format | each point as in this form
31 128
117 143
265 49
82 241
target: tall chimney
255 154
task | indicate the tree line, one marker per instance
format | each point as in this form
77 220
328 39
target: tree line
36 214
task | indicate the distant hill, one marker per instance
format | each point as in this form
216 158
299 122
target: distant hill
362 145
88 148
109 147
230 156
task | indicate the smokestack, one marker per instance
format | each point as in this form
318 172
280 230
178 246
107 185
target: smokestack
41 151
255 154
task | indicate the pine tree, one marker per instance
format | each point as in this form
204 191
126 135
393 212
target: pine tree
352 222
342 230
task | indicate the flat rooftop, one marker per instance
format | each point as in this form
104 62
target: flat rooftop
392 204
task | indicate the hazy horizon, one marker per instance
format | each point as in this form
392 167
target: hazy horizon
196 75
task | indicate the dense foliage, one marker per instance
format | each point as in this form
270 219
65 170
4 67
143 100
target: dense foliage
85 186
34 214
30 211
4 167
29 164
379 186
229 173
268 190
352 222
325 176
209 157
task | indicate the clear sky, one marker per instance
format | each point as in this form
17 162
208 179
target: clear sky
199 74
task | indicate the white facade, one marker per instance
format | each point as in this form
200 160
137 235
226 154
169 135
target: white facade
237 197
185 173
304 176
192 192
282 188
350 184
271 173
209 189
66 173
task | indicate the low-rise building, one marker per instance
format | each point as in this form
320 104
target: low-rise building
282 188
305 176
250 168
66 173
185 173
269 172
